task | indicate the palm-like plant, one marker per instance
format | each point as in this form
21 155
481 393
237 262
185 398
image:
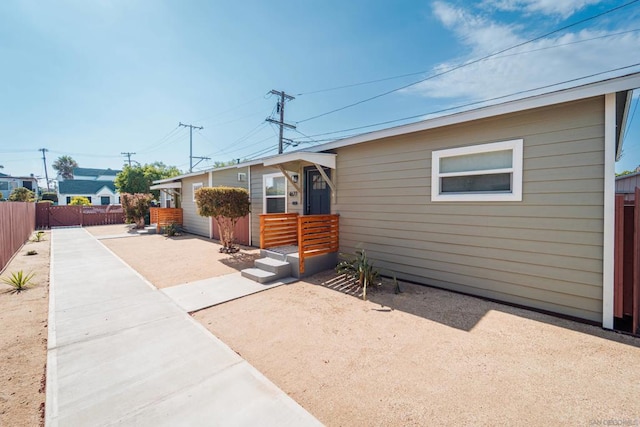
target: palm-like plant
65 165
18 281
360 269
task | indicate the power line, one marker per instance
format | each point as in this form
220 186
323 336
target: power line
475 61
469 104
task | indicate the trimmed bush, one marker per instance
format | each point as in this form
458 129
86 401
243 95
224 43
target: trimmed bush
136 207
226 205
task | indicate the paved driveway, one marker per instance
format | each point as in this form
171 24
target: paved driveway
122 352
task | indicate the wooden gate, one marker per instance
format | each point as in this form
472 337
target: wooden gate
65 216
626 291
48 216
241 232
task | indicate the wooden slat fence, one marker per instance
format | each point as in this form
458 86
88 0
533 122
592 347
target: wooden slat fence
48 215
163 217
278 230
317 235
626 290
17 222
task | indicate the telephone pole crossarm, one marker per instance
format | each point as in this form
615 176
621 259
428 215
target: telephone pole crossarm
191 128
280 108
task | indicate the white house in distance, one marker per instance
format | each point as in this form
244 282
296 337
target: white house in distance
9 183
97 185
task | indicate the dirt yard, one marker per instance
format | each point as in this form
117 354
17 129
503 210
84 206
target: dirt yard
421 357
23 339
430 357
169 261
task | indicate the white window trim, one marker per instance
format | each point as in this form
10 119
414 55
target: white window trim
515 195
264 193
194 187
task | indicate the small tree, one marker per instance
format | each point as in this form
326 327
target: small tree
226 205
136 207
79 201
22 194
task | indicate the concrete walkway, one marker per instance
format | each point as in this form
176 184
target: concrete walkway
216 290
122 352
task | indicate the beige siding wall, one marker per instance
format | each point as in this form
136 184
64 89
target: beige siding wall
294 204
544 252
229 178
193 223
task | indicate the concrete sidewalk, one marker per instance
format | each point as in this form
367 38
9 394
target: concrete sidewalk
121 352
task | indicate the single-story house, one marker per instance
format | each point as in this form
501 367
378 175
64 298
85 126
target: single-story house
95 184
98 192
513 201
9 183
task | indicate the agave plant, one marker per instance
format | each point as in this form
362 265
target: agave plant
19 281
360 269
39 236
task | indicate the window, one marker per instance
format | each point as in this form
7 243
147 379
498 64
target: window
68 199
275 193
105 200
195 186
486 172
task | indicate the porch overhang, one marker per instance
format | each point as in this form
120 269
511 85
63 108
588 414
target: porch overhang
167 186
296 161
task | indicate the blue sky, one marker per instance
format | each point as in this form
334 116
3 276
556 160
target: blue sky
92 79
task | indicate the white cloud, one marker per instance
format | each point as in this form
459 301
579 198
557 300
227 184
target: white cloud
540 63
562 8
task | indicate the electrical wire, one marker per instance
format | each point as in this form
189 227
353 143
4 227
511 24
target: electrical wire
384 79
470 104
475 61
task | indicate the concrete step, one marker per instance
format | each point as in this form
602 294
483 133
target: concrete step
149 229
280 268
259 275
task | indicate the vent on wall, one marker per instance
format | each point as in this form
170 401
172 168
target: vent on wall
242 176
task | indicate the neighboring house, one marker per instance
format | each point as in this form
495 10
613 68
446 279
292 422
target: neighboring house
95 184
513 202
9 183
626 184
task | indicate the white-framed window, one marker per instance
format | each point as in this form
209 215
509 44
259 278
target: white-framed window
194 187
478 173
275 193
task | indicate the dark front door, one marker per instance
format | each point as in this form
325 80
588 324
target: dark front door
317 193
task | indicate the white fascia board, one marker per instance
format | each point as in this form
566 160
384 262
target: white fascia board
628 82
167 185
327 160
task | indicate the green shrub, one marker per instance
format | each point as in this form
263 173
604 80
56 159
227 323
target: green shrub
22 194
49 196
19 281
226 205
79 201
136 206
360 269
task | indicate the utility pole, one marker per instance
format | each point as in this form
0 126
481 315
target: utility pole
280 108
191 128
44 160
128 156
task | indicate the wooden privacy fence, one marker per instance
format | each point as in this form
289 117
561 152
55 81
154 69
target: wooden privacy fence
626 291
48 216
317 235
163 217
17 222
313 234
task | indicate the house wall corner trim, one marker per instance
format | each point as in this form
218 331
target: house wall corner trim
609 210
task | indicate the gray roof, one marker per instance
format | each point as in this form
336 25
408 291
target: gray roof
84 187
